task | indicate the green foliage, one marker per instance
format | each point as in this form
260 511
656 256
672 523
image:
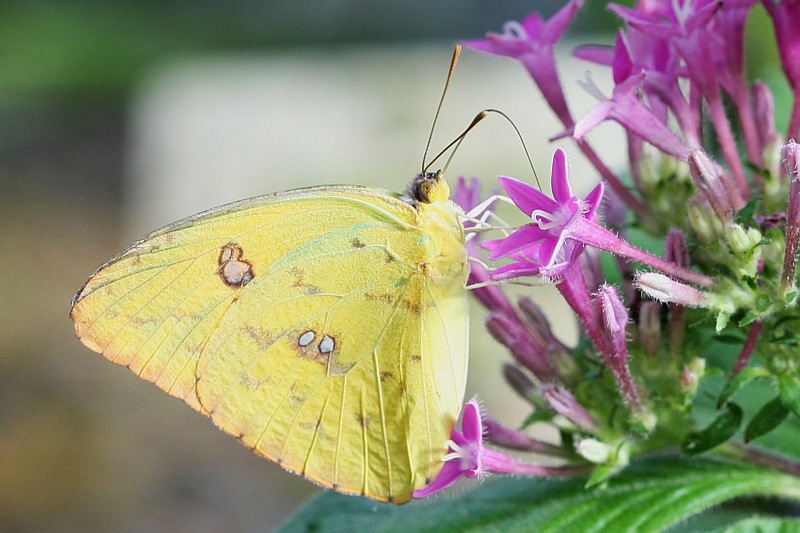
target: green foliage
719 431
655 494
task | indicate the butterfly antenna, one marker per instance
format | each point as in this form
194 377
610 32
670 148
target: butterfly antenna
453 61
475 121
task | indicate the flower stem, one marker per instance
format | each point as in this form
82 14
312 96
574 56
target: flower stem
748 348
792 238
595 235
761 457
634 203
739 193
794 122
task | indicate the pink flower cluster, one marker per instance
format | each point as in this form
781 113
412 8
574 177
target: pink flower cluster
725 205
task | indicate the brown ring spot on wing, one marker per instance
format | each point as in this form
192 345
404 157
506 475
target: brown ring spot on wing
234 271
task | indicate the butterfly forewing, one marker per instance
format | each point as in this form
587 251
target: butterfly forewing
307 324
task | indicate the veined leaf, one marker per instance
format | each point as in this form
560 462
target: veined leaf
649 496
790 393
720 430
766 419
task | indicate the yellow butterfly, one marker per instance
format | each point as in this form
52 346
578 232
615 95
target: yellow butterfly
325 328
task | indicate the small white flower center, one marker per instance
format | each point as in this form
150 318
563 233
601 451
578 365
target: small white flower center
545 220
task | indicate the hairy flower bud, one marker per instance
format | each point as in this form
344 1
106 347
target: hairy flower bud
706 176
666 289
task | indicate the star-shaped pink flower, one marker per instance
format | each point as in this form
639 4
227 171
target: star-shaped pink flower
469 457
544 247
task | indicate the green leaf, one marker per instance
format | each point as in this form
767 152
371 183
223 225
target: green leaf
766 419
746 215
601 474
649 496
790 393
722 320
738 381
720 430
748 319
763 525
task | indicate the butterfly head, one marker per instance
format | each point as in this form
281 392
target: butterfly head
428 188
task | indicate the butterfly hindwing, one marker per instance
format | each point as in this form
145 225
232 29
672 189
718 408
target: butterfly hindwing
307 324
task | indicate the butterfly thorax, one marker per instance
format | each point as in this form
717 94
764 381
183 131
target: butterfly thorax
440 219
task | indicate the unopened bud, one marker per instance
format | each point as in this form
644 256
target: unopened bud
764 112
665 289
595 451
650 327
676 250
742 241
703 221
521 383
691 376
708 179
564 403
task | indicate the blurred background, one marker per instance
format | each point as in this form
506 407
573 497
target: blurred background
120 117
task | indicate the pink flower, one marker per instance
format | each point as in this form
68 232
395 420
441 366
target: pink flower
468 457
786 19
532 42
561 227
627 109
466 451
544 247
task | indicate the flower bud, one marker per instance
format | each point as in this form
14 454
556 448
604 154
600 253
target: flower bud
564 403
527 349
650 327
521 383
614 316
560 355
665 289
775 181
742 241
691 376
764 113
676 250
707 226
707 177
595 451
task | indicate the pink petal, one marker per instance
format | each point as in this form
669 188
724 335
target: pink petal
600 54
526 197
448 475
593 200
522 238
547 251
590 120
533 25
559 177
515 270
555 27
471 424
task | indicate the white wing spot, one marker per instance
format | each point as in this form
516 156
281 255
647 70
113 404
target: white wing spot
327 345
306 338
